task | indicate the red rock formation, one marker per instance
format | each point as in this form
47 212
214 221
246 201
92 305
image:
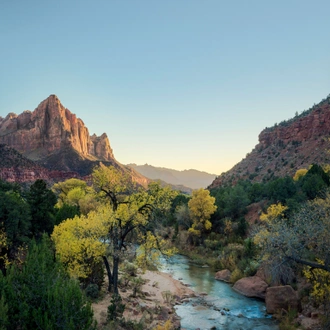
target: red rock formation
285 148
281 297
223 275
49 128
20 175
253 287
55 145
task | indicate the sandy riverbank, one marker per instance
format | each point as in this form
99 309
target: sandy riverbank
154 304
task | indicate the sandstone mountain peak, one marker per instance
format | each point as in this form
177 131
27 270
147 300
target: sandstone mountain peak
50 130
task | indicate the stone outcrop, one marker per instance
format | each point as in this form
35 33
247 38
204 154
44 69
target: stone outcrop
50 128
223 275
16 168
52 144
286 147
252 287
281 297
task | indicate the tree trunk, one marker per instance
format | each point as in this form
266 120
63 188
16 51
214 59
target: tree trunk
110 277
115 274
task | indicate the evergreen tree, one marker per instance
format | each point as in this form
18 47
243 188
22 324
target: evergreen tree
40 295
41 201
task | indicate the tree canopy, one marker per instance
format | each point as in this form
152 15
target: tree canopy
126 217
201 207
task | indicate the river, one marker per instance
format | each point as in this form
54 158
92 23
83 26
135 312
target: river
222 307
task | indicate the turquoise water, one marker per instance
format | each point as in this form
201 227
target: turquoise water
222 307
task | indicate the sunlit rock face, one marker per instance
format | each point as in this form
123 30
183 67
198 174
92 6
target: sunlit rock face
50 128
58 144
284 148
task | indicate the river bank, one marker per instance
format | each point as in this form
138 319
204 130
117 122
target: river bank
152 306
188 295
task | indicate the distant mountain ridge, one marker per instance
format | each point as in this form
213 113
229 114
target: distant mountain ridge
193 179
284 148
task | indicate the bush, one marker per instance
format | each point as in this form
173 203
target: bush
116 308
251 268
40 295
130 269
92 291
236 275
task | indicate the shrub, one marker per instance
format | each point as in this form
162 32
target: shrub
130 269
92 291
40 295
236 275
116 308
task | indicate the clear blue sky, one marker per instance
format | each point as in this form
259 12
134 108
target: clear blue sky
174 83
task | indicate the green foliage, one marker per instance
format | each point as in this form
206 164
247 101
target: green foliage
312 185
41 201
129 268
66 211
281 189
136 283
116 308
3 313
231 202
182 216
14 219
92 291
41 296
236 275
162 199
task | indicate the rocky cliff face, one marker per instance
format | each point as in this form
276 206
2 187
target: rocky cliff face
285 148
52 144
49 129
16 168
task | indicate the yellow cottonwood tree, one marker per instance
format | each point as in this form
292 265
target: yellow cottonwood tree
274 211
125 218
80 242
201 207
299 174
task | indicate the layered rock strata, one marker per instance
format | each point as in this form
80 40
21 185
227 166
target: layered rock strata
50 128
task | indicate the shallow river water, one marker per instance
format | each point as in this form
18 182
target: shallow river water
222 307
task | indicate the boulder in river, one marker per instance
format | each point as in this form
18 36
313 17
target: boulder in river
281 297
223 275
252 287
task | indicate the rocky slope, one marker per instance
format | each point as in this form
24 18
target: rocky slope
51 130
14 167
285 148
51 143
192 179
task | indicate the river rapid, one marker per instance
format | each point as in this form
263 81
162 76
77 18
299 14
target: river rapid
221 307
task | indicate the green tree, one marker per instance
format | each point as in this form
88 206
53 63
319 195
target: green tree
77 193
14 222
162 199
39 295
66 211
42 208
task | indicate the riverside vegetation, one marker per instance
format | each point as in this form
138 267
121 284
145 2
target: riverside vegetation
76 240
